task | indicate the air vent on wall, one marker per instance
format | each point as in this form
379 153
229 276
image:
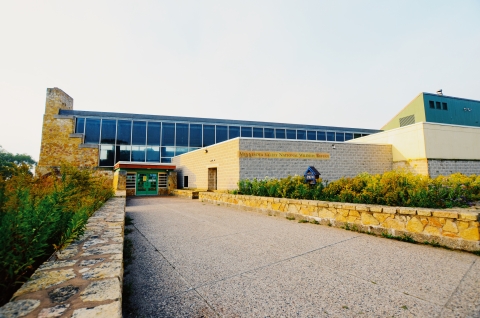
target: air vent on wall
407 120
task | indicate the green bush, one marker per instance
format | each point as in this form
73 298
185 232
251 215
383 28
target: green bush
41 215
394 188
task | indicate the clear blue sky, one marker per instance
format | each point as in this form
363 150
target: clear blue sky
339 63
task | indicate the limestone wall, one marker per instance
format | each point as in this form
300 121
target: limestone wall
346 159
59 144
454 228
85 279
443 167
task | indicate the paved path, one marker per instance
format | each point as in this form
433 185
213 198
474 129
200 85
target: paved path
202 260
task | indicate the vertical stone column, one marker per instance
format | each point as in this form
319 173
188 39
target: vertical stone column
172 181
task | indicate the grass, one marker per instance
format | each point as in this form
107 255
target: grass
302 221
403 237
291 218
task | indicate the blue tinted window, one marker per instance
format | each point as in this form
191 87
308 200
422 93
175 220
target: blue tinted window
139 133
153 154
246 132
357 135
348 136
330 136
92 131
301 134
280 133
109 128
107 156
181 136
233 132
166 160
222 133
195 135
340 136
291 134
138 153
168 134
321 135
153 134
268 132
258 132
168 151
311 135
80 125
122 153
208 135
124 132
180 150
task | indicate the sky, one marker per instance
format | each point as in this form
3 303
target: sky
337 63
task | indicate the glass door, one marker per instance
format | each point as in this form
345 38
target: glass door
147 183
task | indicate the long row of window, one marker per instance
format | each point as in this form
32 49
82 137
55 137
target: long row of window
153 141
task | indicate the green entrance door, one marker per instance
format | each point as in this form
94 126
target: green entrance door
147 183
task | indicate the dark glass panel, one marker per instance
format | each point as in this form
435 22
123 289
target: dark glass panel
181 135
432 104
233 132
257 132
330 136
168 134
138 153
280 133
208 135
291 134
321 135
168 151
340 136
139 133
348 136
438 105
246 132
301 134
357 135
311 135
444 106
180 151
153 134
269 132
122 153
124 132
195 135
363 135
222 133
92 131
107 156
153 154
80 125
166 160
109 129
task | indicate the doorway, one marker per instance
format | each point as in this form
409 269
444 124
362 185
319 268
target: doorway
147 183
212 179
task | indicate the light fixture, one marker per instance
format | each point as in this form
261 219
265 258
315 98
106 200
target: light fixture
206 150
333 146
440 92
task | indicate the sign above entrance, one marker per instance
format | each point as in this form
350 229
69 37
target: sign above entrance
284 155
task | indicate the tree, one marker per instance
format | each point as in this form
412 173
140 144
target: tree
10 163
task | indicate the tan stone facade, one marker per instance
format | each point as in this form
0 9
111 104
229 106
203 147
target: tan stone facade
454 228
59 143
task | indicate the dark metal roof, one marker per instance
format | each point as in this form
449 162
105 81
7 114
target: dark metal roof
313 170
82 113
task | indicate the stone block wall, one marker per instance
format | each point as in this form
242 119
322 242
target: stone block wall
446 167
59 143
454 228
83 280
347 159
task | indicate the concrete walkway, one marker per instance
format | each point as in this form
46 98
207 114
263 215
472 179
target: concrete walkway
202 260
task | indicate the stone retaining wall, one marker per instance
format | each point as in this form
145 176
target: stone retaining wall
83 280
454 228
186 194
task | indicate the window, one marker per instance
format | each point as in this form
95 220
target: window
153 134
109 129
168 151
246 132
311 135
139 133
330 136
269 133
221 133
280 133
340 136
444 106
123 153
208 135
107 156
181 135
348 136
168 134
162 180
180 150
291 134
195 135
92 130
138 153
153 154
124 132
321 135
432 104
233 132
185 181
438 105
131 178
80 125
258 132
301 134
357 135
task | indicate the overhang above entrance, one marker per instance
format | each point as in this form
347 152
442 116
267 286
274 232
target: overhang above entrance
142 165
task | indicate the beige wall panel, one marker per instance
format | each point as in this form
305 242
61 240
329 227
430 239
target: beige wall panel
195 164
452 142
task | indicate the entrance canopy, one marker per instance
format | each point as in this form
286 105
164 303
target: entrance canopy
143 165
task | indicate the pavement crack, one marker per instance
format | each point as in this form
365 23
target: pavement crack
458 286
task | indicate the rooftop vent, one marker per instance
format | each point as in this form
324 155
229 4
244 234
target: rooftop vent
439 92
